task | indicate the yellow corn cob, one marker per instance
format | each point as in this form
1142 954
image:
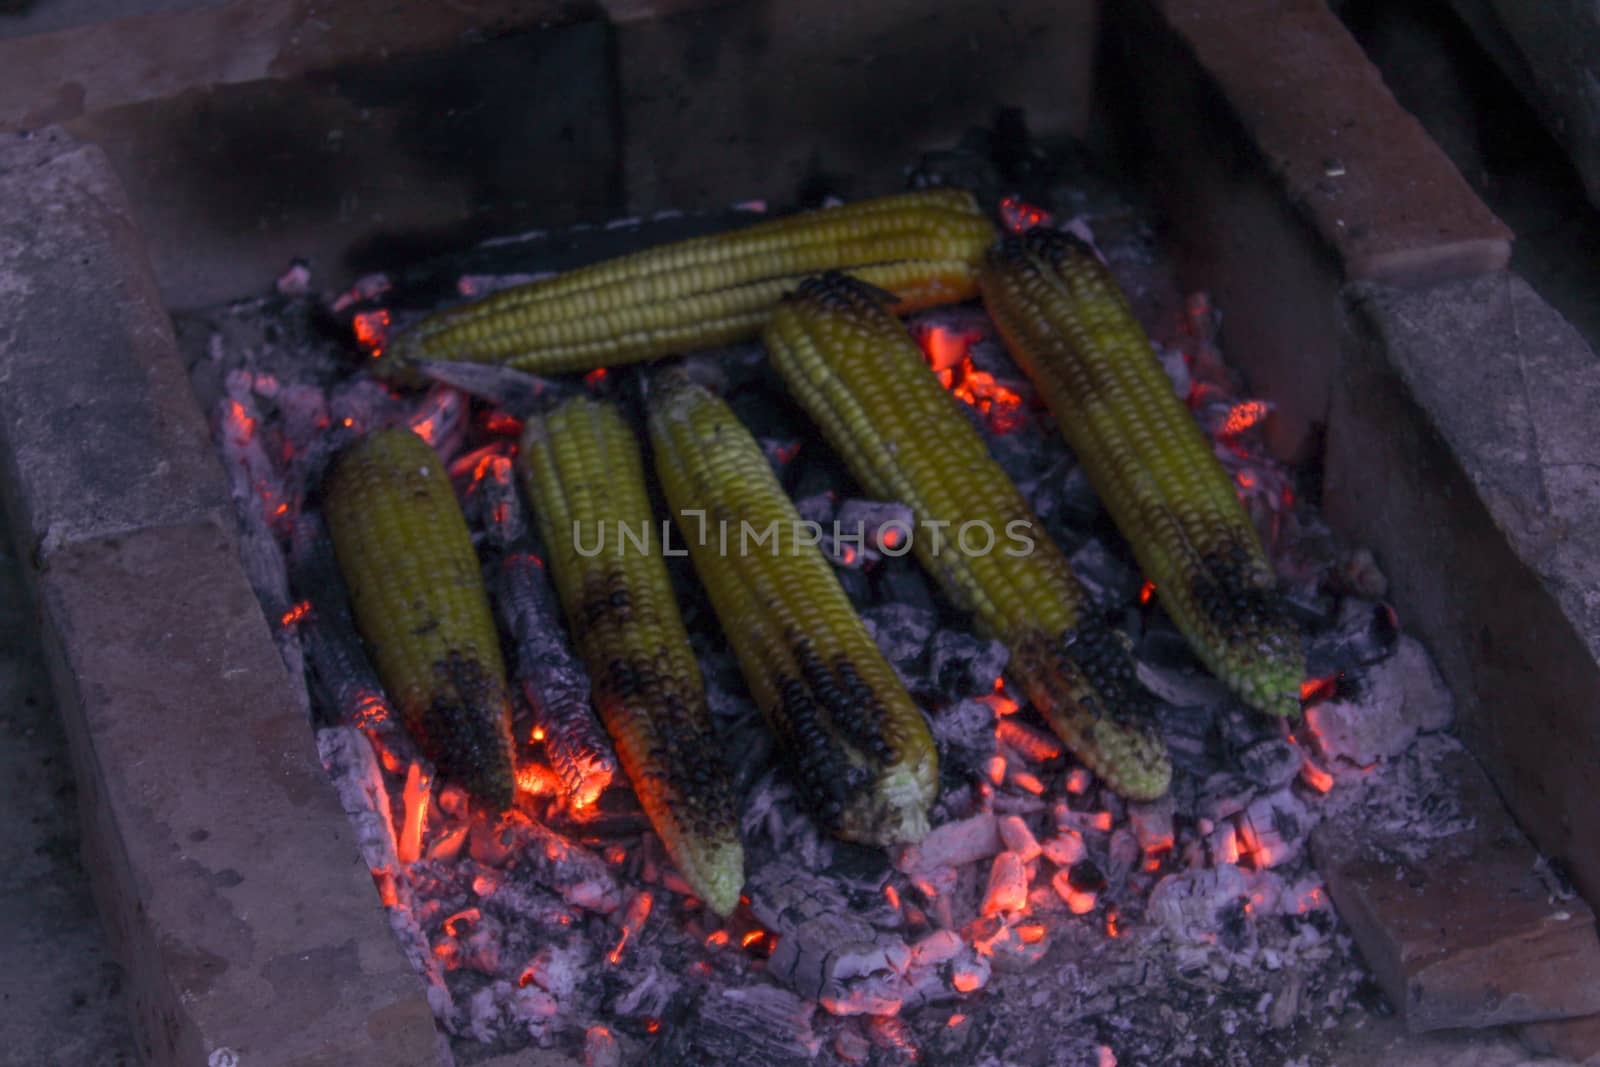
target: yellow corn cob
404 549
715 290
857 372
856 744
1070 328
585 478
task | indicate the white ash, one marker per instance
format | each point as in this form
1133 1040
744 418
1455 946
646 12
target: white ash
1400 697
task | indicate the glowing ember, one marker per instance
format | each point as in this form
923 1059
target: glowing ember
1226 844
967 979
1008 885
956 1020
1031 933
1078 781
1316 690
372 331
1028 783
1243 416
1315 776
447 846
751 938
1078 901
995 768
296 614
466 916
892 895
1147 591
717 939
638 912
1020 216
1035 745
415 797
1112 930
596 376
537 780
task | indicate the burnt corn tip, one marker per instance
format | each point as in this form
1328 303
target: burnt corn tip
855 745
420 604
1070 328
584 473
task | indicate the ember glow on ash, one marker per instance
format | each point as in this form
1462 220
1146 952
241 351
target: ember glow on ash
418 789
295 614
1316 690
949 353
1019 216
1245 415
372 331
637 914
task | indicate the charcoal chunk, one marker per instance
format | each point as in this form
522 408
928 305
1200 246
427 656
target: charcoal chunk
961 665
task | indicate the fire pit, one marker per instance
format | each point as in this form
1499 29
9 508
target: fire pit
1222 923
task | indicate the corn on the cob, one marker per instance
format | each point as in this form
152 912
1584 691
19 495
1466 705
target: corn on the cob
404 549
856 745
857 372
585 479
715 290
1070 328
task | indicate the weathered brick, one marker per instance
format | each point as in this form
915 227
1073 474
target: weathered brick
1472 936
221 861
99 433
1374 184
1573 1040
1460 448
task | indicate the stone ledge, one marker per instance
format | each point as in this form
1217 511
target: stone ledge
219 858
1514 390
1376 188
1487 530
221 861
98 432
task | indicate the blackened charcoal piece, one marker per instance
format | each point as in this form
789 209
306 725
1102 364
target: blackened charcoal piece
1240 728
817 508
1308 606
1108 577
902 632
964 734
1364 632
1188 733
1086 877
961 665
1271 763
902 581
1022 455
859 867
856 585
1063 497
758 1025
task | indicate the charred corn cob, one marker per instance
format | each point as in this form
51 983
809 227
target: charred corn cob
856 745
585 480
1069 326
855 369
555 687
715 290
405 551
